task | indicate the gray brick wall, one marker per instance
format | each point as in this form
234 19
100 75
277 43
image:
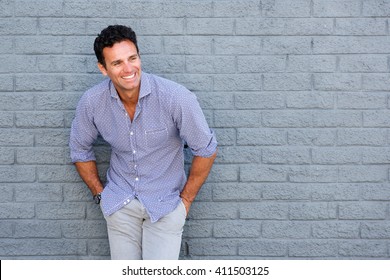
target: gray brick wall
297 91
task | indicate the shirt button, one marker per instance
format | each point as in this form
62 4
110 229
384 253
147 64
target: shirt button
133 151
137 179
131 133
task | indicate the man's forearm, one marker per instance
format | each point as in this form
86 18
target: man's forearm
89 173
199 171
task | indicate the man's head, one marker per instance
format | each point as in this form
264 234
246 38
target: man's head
111 35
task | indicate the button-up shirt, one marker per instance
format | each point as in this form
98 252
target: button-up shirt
147 159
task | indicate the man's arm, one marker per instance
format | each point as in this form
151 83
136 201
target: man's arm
89 173
199 171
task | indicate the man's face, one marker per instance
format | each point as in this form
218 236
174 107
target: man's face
123 67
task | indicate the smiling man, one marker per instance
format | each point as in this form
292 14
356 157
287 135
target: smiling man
146 120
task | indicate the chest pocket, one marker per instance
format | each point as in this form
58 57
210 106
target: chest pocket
156 137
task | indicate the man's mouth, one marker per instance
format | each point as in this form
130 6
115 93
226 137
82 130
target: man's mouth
129 76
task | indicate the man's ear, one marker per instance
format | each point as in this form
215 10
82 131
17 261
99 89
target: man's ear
102 69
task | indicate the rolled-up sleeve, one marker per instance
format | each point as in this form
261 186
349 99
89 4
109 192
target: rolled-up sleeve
192 123
83 133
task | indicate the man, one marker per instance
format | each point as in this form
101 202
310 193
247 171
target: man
146 120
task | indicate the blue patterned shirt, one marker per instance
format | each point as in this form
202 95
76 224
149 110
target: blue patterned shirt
147 159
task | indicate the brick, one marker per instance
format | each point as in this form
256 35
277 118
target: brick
37 229
262 173
6 229
7 46
78 45
376 191
362 174
243 45
290 155
211 247
236 229
261 136
185 9
56 64
261 64
285 191
40 119
364 249
225 136
313 211
84 229
6 119
262 248
98 247
7 155
311 63
193 82
81 82
379 155
163 64
234 118
336 8
213 210
287 45
198 229
376 8
336 192
362 100
313 174
379 118
42 247
290 118
41 8
313 248
210 64
13 137
194 45
18 26
17 173
347 82
16 211
74 8
57 173
16 101
363 63
38 192
375 230
38 82
52 138
336 155
237 8
162 26
362 211
6 82
361 26
309 26
62 211
216 100
376 81
286 230
310 100
7 193
284 8
337 118
264 211
260 26
6 8
349 44
210 26
367 136
311 137
262 100
40 156
228 191
239 155
336 230
141 9
38 45
237 82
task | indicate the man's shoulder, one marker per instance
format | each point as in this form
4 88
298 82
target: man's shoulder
98 89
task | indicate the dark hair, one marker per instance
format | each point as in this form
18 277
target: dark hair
111 35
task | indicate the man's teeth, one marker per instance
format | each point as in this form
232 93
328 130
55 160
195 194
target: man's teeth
129 77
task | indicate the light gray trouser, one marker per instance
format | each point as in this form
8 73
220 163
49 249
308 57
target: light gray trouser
132 236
